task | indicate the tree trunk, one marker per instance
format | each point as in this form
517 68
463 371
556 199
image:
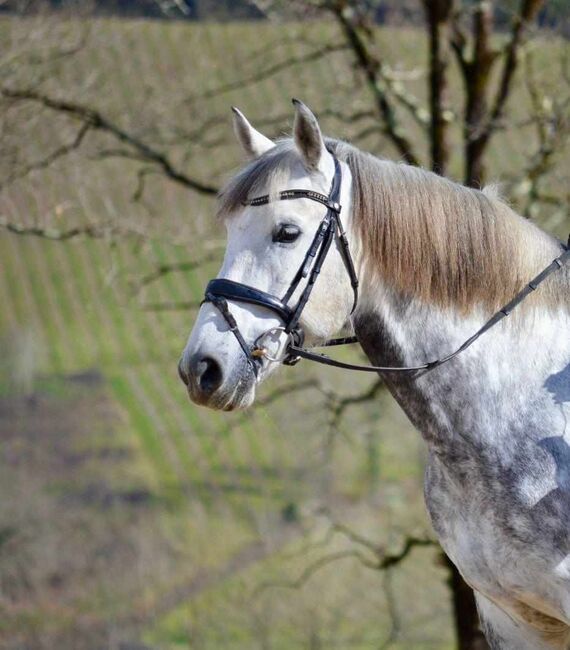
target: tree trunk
466 617
438 14
477 74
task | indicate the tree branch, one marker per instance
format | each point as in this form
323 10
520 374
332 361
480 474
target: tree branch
480 120
528 11
267 72
458 40
96 121
338 405
477 76
314 568
552 127
175 267
371 66
395 625
95 231
438 14
410 102
410 543
60 152
381 562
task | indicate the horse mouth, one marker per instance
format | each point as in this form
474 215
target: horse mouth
238 398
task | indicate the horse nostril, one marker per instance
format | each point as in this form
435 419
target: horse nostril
182 374
209 375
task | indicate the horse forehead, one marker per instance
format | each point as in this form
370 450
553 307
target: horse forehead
252 220
258 220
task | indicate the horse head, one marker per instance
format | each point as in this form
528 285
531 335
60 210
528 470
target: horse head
284 274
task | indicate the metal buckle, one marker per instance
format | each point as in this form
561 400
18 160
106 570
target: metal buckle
296 337
290 360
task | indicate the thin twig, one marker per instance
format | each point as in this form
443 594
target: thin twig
93 231
265 73
310 571
60 152
174 267
381 562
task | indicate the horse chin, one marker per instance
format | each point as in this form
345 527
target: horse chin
240 402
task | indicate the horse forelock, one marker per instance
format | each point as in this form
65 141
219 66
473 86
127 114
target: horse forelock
264 175
421 234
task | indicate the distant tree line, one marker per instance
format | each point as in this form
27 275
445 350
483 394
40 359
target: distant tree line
384 12
154 9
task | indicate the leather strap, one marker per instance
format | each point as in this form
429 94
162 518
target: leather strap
303 270
319 261
554 266
286 195
244 293
347 257
224 310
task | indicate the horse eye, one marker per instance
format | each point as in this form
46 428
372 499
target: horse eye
286 233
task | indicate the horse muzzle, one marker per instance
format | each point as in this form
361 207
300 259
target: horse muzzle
208 385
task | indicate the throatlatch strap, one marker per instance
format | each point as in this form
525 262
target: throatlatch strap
347 258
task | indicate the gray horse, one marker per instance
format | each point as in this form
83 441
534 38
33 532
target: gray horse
434 260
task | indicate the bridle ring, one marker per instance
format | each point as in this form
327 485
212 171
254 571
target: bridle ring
261 351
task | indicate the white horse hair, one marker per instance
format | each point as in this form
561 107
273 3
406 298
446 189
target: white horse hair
434 259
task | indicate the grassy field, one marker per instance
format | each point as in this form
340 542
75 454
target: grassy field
127 514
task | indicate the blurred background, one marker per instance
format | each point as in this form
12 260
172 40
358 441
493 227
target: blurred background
130 519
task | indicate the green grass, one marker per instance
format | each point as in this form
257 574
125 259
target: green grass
143 426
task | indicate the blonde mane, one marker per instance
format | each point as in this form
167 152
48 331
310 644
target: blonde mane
424 235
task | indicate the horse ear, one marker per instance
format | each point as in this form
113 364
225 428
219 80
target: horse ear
307 135
253 142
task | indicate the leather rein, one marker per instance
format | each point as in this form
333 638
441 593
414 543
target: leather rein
220 290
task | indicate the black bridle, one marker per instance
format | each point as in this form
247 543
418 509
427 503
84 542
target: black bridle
220 290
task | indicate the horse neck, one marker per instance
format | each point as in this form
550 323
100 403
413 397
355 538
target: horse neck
503 373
